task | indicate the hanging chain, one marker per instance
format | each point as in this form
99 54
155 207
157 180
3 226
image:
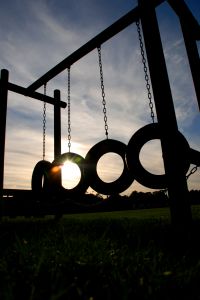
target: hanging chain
103 92
193 170
69 110
44 122
145 71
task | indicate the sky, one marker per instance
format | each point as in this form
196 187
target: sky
37 35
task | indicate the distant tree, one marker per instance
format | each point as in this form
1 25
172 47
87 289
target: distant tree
148 200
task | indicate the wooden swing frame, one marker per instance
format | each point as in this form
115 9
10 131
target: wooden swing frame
145 11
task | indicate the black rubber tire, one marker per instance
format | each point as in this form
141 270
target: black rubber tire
40 176
137 141
91 160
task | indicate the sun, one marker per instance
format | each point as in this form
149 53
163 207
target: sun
71 174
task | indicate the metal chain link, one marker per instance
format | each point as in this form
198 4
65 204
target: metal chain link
195 168
145 71
103 92
69 110
192 171
44 122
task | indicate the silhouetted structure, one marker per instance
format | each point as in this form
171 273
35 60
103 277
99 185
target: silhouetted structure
177 154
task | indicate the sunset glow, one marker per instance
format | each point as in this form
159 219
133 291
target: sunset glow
70 174
51 32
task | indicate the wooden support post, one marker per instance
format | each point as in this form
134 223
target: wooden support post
3 113
193 56
57 130
176 179
57 125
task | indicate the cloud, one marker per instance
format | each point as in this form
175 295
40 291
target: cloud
43 35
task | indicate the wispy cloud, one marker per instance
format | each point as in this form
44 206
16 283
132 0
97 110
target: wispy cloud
43 34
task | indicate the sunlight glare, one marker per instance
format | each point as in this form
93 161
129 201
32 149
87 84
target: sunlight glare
71 175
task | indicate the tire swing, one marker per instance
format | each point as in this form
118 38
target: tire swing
147 133
137 141
103 147
71 157
40 175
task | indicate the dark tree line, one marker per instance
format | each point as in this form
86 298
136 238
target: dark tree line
30 204
139 200
136 200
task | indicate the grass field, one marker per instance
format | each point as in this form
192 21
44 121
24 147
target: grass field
119 255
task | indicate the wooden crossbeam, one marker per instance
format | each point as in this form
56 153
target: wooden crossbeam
178 6
98 40
23 91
